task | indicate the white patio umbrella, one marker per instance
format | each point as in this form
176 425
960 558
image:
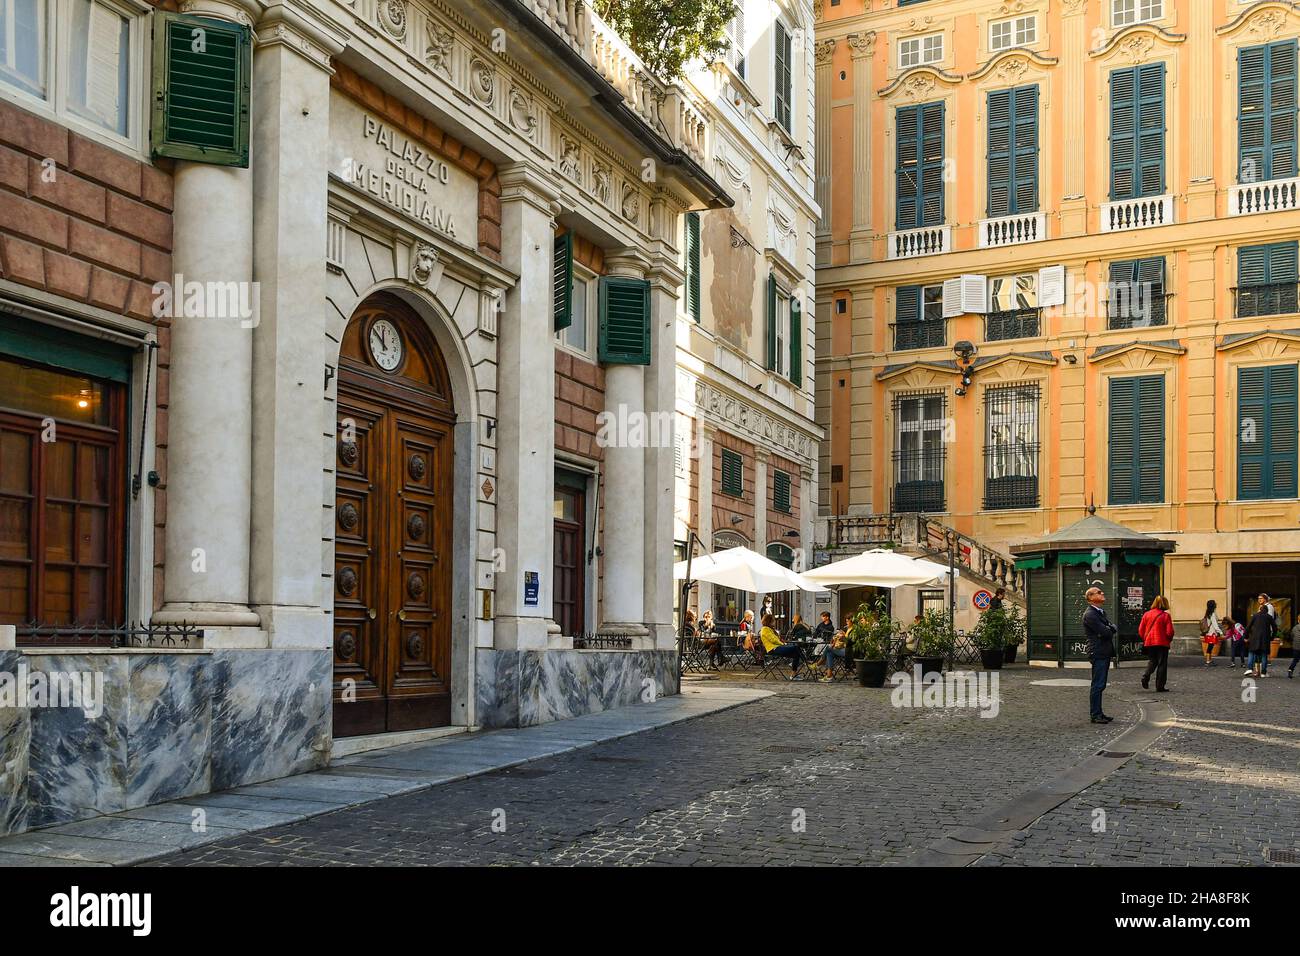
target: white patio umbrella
744 570
877 568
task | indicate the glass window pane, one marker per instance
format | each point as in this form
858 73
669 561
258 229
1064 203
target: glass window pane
576 334
61 395
22 44
99 66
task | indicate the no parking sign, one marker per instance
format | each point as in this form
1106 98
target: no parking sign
981 599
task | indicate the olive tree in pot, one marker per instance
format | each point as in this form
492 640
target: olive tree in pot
935 641
869 639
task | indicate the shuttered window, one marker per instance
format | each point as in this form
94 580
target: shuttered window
563 266
796 343
1266 112
733 472
782 74
772 322
693 265
919 166
624 321
1137 440
1013 151
1266 432
781 491
1137 132
1136 296
1267 278
202 69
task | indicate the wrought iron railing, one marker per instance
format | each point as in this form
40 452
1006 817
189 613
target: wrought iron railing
602 642
1278 298
173 636
1011 492
920 335
1015 324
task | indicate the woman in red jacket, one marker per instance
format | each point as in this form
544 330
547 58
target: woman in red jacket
1157 632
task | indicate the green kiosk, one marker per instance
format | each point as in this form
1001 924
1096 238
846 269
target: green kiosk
1059 570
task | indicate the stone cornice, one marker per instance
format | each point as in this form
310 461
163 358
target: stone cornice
1110 353
1002 61
315 40
918 82
1267 19
727 412
1136 42
1241 340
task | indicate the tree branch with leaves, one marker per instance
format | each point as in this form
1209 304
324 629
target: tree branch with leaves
668 34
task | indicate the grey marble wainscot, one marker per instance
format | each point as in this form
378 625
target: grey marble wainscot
15 738
526 688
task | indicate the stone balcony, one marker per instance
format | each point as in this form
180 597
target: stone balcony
913 243
1145 213
1274 195
666 109
1012 230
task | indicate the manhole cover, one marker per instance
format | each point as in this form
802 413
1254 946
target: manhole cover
781 749
1281 856
1062 682
1138 802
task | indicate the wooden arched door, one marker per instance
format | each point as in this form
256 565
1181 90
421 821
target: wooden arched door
393 520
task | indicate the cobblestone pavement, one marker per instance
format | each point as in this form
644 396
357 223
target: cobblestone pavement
869 783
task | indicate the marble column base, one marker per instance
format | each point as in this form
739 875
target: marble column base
526 688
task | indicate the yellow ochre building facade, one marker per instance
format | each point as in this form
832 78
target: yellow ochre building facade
1057 269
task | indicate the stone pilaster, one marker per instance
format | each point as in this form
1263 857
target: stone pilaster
704 495
863 48
762 458
1074 57
1201 190
290 149
526 411
210 410
623 608
825 54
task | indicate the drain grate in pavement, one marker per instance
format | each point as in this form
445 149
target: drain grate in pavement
1139 802
616 760
528 773
1281 856
1116 753
782 749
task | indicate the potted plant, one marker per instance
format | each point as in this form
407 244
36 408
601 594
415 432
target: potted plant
869 638
991 636
935 641
1016 637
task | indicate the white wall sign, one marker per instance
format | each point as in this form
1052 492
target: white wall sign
378 159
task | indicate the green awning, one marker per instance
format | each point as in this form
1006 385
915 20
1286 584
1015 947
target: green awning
1030 564
1077 557
1143 558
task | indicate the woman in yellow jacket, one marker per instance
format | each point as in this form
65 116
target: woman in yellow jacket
772 644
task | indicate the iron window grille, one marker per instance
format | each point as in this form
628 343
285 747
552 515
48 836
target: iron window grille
1011 447
909 336
920 452
1277 298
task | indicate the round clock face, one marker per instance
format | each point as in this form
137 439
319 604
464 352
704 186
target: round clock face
385 344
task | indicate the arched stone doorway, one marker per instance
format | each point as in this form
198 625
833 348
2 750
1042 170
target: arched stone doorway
394 512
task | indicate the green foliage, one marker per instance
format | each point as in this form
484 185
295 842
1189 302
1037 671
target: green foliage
872 631
933 635
668 34
999 627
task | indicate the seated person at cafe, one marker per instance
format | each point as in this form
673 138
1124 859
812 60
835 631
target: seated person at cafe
772 643
799 631
836 648
825 629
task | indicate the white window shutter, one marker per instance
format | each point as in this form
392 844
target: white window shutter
952 298
1051 286
975 294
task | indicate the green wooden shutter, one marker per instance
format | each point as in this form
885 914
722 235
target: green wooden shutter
1013 151
1136 440
931 157
907 173
562 263
624 321
201 77
1252 266
907 305
1137 132
1266 112
796 343
782 73
1267 432
781 491
733 473
771 322
693 265
919 165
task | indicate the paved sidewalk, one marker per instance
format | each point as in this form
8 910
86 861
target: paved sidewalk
151 832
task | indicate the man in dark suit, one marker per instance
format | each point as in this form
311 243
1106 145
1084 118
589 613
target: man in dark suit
1101 648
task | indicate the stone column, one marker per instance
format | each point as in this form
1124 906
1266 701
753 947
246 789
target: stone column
526 411
623 498
660 397
290 149
704 497
807 508
761 459
863 49
1074 56
825 54
210 409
